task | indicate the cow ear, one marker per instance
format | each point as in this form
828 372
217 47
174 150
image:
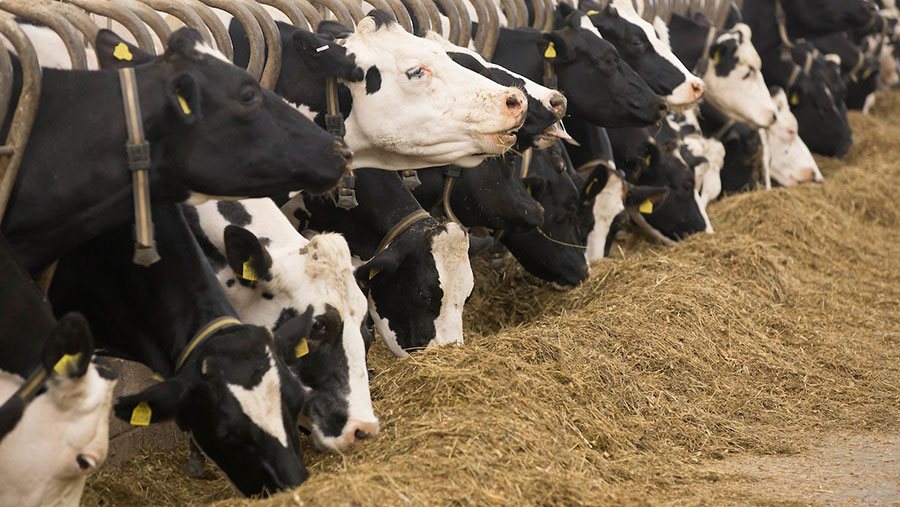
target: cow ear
291 336
639 194
159 402
611 11
326 57
535 185
565 9
734 17
247 257
70 346
183 42
383 264
595 183
113 52
554 48
184 96
662 31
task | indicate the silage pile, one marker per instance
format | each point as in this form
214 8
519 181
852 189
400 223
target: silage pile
783 325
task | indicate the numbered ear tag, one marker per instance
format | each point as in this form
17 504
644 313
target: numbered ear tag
646 207
592 12
551 51
121 52
795 99
141 414
184 105
248 272
373 273
66 363
301 349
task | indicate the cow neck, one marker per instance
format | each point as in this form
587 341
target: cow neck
378 187
86 200
759 15
151 314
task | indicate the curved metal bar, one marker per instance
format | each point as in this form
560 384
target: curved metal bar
340 12
251 27
422 16
452 12
40 13
122 16
465 23
722 15
401 14
308 10
548 19
151 18
79 18
26 108
272 69
6 81
293 13
539 14
183 13
355 10
511 13
489 33
522 9
434 15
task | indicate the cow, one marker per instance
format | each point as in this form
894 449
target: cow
405 103
599 86
861 73
288 273
229 138
789 160
226 383
51 437
742 168
803 19
729 65
416 270
645 51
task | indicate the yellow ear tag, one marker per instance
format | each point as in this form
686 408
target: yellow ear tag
646 207
647 160
141 414
65 363
373 273
592 12
121 52
249 274
866 74
551 51
184 105
301 349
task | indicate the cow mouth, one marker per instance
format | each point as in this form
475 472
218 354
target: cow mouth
503 140
551 134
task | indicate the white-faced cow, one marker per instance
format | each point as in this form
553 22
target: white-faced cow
646 51
53 432
271 274
230 138
789 160
406 104
227 384
417 274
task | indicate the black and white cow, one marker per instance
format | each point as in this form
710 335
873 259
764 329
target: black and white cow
742 168
288 274
786 155
48 445
406 104
599 86
233 391
645 51
417 285
804 19
231 138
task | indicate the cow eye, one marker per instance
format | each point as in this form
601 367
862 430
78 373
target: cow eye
416 73
320 326
425 297
249 96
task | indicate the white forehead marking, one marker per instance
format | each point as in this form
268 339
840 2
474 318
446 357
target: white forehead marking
203 48
262 402
450 249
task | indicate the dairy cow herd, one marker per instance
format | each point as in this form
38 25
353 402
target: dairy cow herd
242 204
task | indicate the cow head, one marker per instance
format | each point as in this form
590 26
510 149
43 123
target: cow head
641 47
545 106
790 162
288 278
55 441
418 286
239 402
555 251
216 110
413 106
806 18
733 76
585 63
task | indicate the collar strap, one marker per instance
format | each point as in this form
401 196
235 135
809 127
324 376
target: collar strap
451 172
399 227
138 150
860 61
345 197
703 63
782 24
527 156
410 179
208 330
550 80
39 377
725 128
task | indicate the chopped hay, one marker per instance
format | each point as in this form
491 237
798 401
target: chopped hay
782 325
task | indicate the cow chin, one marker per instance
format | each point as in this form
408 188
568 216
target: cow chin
682 98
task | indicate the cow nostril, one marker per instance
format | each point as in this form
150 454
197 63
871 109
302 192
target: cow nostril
361 435
513 102
698 89
558 103
85 462
663 107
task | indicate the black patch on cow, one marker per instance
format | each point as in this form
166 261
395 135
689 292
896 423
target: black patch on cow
286 315
728 59
373 80
267 295
213 255
264 241
382 18
230 283
234 212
